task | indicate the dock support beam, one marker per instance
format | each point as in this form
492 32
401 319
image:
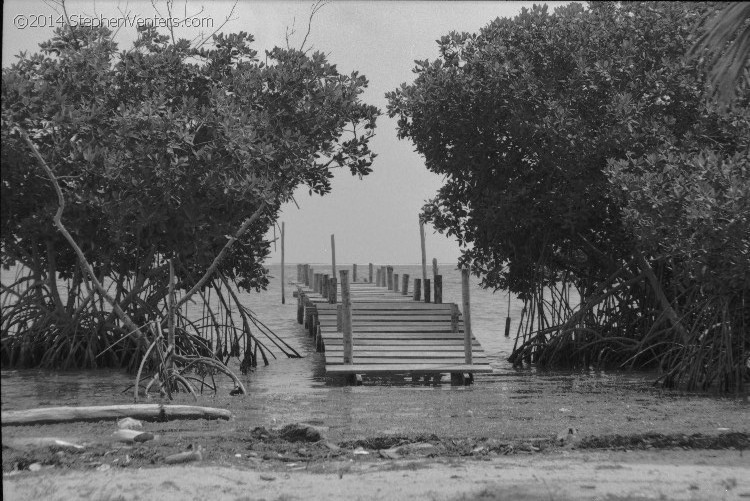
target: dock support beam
333 256
283 296
417 289
424 252
438 289
332 292
370 275
467 314
346 316
405 285
395 282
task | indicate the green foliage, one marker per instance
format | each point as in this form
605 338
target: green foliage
570 143
162 151
161 155
693 209
522 118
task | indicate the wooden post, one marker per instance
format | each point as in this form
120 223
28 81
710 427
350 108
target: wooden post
346 316
405 287
454 317
507 319
424 252
434 266
324 285
389 271
316 282
333 255
467 313
395 282
427 290
417 289
332 292
310 275
306 272
170 320
438 289
283 296
370 274
354 273
382 276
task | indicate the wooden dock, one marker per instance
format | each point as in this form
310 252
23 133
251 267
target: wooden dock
391 332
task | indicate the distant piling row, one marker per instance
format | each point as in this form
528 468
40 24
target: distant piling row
381 276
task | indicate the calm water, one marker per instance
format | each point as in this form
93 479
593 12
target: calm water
305 378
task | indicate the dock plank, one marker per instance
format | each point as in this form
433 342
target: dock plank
392 334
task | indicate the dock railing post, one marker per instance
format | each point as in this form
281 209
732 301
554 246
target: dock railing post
467 314
332 293
417 289
306 272
438 289
283 296
427 290
346 316
454 317
333 256
405 287
424 252
395 282
324 286
389 271
310 276
370 274
354 273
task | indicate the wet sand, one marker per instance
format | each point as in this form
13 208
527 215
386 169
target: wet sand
664 475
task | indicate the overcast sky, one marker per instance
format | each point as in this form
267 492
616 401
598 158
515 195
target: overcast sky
374 219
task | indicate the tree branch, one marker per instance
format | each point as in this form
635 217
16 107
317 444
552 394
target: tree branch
215 264
81 257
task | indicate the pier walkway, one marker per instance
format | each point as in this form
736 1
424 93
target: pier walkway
391 332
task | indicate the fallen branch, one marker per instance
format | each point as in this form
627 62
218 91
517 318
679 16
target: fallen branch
152 412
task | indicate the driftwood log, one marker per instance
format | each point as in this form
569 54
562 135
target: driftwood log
148 412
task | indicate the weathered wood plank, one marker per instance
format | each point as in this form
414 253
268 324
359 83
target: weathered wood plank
397 335
409 354
405 368
399 343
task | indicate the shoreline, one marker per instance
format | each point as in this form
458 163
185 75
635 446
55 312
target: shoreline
558 474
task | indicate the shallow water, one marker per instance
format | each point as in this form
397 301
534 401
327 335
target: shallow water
298 388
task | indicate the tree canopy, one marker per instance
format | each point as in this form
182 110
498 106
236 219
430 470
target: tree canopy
522 117
163 150
576 141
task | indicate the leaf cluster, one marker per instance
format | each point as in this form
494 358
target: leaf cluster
523 117
164 149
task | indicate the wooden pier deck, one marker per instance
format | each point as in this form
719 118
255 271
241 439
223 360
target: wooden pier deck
391 333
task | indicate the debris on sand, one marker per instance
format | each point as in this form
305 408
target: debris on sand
185 457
